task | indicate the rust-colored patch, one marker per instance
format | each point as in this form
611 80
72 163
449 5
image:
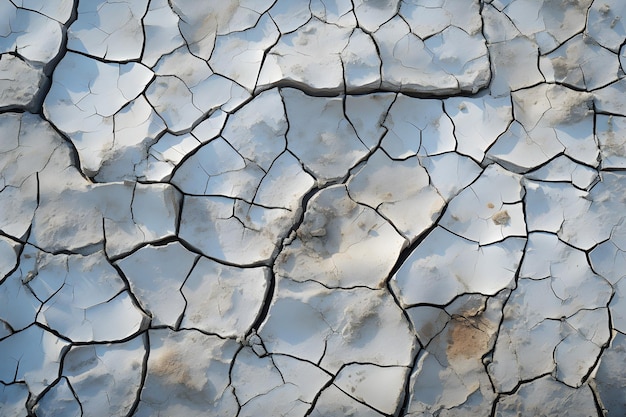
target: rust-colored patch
465 340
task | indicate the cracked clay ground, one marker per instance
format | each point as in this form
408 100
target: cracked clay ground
299 208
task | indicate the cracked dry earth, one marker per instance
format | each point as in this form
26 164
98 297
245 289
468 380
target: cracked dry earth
312 208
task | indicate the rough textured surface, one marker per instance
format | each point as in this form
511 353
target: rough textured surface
312 208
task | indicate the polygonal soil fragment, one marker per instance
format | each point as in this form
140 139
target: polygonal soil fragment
549 120
489 210
340 244
545 397
13 400
188 374
330 147
232 230
275 385
82 103
36 34
116 369
581 64
156 281
222 299
333 402
336 327
417 127
65 285
445 265
557 298
449 374
608 383
59 400
109 30
31 356
19 83
378 387
400 191
27 138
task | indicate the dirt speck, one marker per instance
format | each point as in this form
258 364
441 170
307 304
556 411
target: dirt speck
501 218
605 9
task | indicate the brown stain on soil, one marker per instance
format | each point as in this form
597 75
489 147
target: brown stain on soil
466 340
170 367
